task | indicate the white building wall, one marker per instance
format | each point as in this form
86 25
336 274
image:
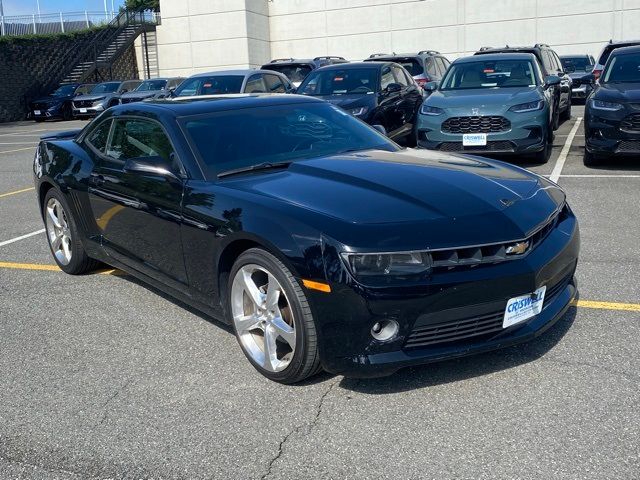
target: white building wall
201 35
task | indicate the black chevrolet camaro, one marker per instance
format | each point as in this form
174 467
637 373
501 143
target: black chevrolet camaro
323 243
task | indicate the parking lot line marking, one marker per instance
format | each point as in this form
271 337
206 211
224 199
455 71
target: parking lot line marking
51 268
628 307
24 131
21 237
17 150
15 192
557 170
600 176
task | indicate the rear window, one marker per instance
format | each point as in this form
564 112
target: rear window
411 65
576 64
294 72
213 85
351 81
490 74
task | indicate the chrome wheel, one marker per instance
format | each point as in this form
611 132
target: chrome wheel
263 318
58 231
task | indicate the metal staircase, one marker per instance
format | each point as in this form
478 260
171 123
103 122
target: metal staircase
109 44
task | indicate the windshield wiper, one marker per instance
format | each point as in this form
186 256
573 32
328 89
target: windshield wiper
253 168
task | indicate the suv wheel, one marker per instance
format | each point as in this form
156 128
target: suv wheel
566 115
271 318
543 155
556 117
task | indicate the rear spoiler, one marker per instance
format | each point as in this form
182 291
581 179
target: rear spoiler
66 135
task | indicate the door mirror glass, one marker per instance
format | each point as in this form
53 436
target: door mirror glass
591 78
431 86
552 80
394 88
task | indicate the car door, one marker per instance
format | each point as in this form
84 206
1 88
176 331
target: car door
410 98
138 210
390 115
565 81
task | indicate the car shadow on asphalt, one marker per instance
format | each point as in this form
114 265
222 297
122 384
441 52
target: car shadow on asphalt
466 367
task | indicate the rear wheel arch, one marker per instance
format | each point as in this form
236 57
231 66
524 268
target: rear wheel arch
42 192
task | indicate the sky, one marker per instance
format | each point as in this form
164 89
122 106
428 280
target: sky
28 7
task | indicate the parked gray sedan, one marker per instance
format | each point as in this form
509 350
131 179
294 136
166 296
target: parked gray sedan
152 88
103 96
234 81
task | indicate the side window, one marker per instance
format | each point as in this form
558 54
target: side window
174 83
255 84
400 76
557 61
430 65
442 63
386 78
99 136
135 138
274 84
546 62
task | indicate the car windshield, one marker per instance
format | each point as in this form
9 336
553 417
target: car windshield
213 85
412 65
105 88
340 82
64 91
150 85
241 138
576 64
296 73
623 68
490 74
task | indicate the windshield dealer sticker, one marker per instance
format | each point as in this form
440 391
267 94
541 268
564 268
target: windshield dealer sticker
522 308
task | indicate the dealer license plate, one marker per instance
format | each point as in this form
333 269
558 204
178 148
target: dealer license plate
83 110
474 139
522 308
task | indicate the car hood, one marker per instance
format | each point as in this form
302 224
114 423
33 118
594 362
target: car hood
399 199
486 102
95 96
52 100
144 94
619 92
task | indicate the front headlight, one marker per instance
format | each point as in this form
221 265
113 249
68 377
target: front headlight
398 264
358 112
98 101
528 107
429 110
608 106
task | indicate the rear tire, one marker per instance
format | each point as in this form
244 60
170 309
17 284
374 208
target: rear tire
67 114
556 117
63 236
566 115
271 318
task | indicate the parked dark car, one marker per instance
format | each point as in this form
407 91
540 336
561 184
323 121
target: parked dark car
379 93
58 103
425 66
612 113
496 104
551 65
579 68
297 69
319 240
101 97
606 51
152 88
224 82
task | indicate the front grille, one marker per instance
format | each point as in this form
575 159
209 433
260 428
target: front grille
631 123
83 103
501 146
629 146
473 327
40 106
488 124
576 83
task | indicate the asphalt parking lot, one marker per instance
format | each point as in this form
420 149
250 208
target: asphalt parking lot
102 377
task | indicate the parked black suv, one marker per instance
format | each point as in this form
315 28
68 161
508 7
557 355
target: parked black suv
551 65
612 114
425 66
58 103
296 70
606 51
379 93
579 68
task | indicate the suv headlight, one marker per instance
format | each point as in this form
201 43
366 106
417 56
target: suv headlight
358 111
429 110
399 264
528 107
608 106
98 101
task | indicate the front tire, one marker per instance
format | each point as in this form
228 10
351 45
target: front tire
544 155
590 160
63 236
271 318
556 117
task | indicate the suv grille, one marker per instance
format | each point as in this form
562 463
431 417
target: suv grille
629 146
495 146
576 82
489 124
83 103
631 123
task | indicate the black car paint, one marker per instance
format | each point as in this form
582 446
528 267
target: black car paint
51 107
188 229
396 111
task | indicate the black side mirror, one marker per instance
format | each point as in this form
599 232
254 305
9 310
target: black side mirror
154 165
591 78
393 88
430 86
380 129
552 80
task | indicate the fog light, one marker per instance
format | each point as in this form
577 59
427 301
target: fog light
385 330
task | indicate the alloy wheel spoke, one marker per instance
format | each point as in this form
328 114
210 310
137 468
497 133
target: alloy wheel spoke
285 331
52 216
251 288
273 294
65 247
244 323
56 243
270 348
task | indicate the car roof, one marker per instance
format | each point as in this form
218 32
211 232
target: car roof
623 42
577 55
186 106
623 50
421 54
355 65
309 61
240 71
507 48
497 56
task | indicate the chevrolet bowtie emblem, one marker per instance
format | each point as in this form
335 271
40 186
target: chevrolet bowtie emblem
517 248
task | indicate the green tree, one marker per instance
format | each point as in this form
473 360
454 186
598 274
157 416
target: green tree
143 5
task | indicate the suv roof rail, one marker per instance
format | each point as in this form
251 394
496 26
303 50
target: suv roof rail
484 49
542 45
374 55
428 52
276 60
329 57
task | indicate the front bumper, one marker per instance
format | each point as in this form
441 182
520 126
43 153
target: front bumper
605 138
527 134
581 92
467 297
46 112
87 111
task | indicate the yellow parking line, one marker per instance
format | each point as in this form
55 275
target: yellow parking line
628 307
51 268
18 150
16 192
